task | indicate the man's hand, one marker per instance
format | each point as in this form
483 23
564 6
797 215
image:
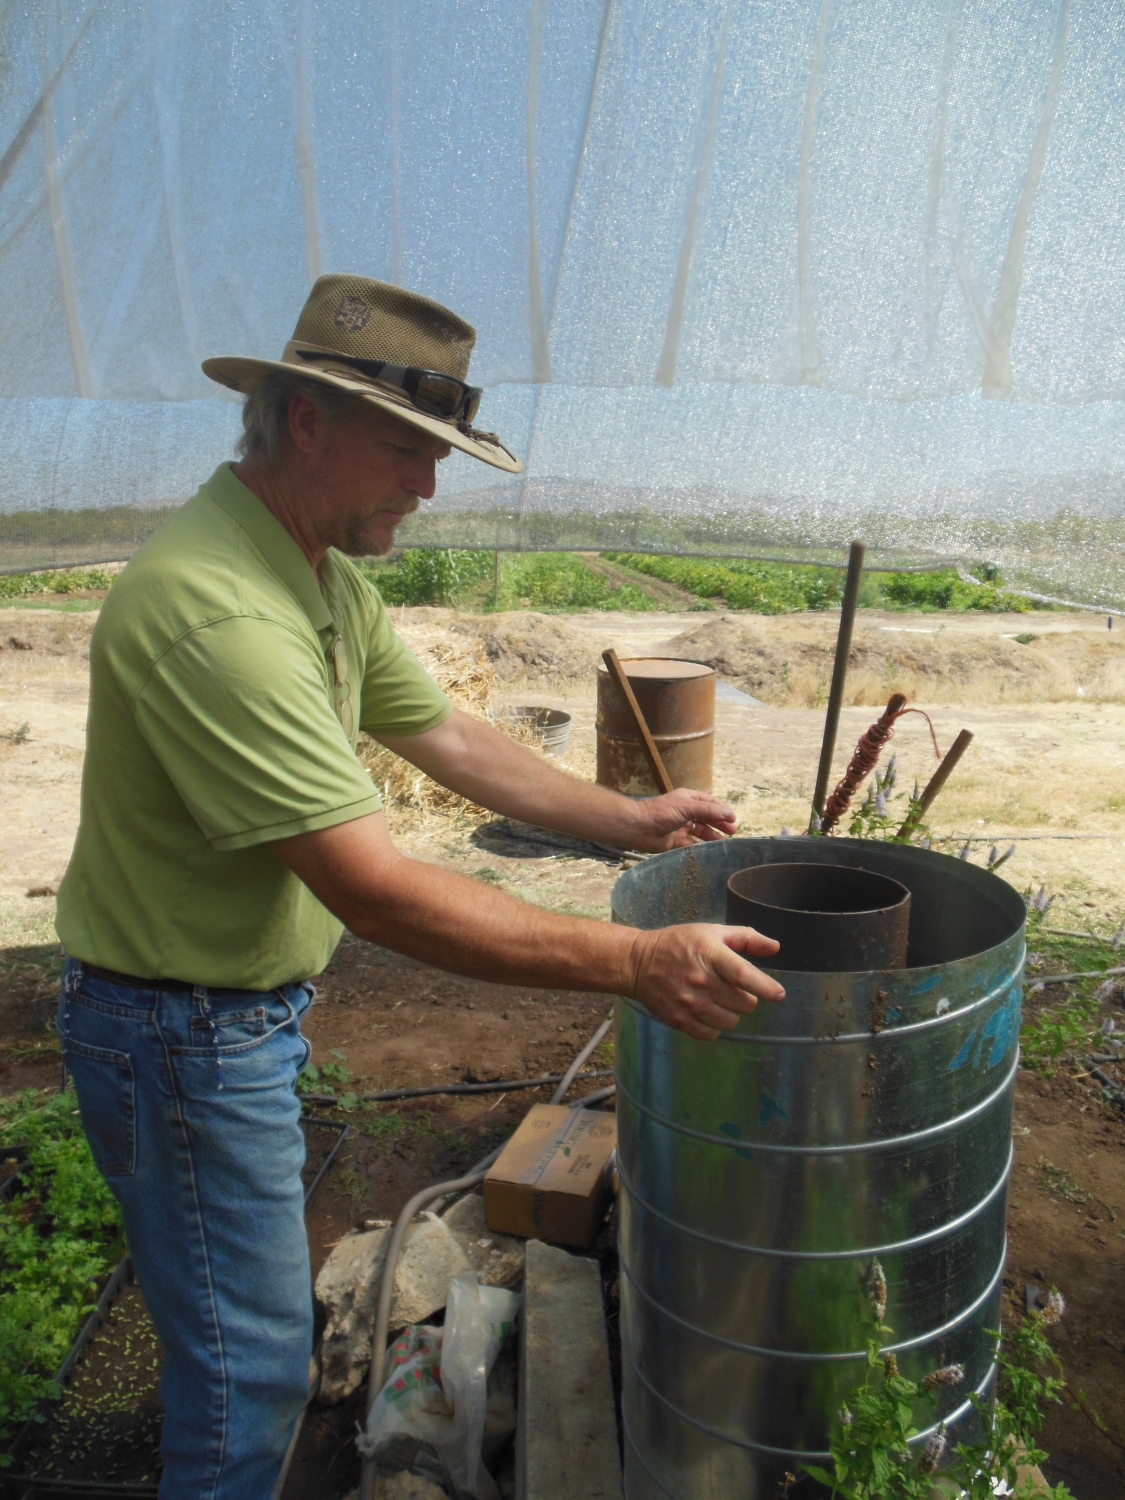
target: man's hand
678 819
480 763
693 978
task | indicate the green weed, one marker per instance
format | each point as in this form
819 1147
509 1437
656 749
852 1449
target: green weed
352 1185
871 1453
329 1078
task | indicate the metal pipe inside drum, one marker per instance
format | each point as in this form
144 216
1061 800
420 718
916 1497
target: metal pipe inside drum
867 1116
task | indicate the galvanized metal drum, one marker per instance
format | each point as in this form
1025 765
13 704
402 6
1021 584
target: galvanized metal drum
865 1119
548 727
677 699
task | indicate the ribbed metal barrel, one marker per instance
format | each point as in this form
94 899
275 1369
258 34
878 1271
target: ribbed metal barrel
866 1118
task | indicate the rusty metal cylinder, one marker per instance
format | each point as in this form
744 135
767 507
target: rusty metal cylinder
677 699
828 919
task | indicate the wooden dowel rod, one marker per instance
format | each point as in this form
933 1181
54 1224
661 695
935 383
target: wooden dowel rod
652 754
938 779
839 673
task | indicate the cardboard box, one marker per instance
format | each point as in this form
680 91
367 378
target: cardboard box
553 1180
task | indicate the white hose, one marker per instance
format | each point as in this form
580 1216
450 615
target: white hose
377 1367
568 1077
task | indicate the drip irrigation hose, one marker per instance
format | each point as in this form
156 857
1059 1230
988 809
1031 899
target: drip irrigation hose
501 1086
394 1249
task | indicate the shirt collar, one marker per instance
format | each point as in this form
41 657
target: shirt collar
272 540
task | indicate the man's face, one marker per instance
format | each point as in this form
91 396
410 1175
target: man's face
368 470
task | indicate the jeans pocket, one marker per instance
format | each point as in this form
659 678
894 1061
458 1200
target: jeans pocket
234 1033
103 1081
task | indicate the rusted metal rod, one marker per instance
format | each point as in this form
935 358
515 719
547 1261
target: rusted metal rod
938 780
648 744
839 673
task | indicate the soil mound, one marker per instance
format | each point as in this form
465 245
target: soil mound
50 631
524 646
794 669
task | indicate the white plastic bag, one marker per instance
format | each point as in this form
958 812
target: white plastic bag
436 1390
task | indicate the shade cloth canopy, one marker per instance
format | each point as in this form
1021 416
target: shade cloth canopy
747 277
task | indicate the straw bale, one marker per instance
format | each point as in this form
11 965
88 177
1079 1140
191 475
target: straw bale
460 667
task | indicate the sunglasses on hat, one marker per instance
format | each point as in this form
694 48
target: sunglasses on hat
431 391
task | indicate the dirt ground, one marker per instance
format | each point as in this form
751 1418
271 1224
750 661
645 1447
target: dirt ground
1044 773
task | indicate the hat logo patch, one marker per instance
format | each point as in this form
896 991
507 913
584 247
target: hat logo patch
353 314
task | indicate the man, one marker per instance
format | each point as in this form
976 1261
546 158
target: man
228 832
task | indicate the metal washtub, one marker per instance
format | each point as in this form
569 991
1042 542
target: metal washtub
867 1117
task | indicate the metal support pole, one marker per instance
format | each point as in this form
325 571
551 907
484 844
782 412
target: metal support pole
839 674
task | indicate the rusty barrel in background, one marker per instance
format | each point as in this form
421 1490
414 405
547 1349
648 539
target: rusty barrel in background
677 699
864 1125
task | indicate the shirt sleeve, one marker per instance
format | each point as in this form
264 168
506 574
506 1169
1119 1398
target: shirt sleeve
239 715
398 696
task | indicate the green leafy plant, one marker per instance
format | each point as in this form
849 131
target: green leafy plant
875 1452
1051 1035
60 1235
946 590
78 581
330 1078
764 588
873 818
428 575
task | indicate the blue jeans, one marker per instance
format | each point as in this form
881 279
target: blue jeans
188 1103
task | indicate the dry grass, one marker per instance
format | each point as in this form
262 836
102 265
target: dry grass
460 667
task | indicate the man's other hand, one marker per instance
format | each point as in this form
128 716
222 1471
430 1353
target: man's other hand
694 978
680 818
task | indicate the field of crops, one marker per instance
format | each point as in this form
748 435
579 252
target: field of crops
487 581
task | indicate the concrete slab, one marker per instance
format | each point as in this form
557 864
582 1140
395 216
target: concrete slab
566 1434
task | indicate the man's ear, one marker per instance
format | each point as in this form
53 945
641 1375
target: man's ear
303 423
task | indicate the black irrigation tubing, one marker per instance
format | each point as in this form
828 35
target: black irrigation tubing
499 1087
331 1157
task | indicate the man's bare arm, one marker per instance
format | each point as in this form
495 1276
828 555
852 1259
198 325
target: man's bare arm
480 763
694 978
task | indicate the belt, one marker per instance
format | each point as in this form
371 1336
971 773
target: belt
130 981
181 986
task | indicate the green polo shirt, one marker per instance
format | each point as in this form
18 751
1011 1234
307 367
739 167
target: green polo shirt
217 724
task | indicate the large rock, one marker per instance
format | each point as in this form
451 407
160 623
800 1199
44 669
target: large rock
496 1258
348 1286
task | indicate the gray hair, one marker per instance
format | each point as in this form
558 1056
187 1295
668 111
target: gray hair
265 412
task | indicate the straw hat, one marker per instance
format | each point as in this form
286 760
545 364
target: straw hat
399 351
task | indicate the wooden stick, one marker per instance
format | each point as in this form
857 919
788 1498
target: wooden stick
648 744
839 673
938 780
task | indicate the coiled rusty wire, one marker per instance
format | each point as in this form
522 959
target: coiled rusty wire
865 757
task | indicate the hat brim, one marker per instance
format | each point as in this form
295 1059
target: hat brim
243 374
